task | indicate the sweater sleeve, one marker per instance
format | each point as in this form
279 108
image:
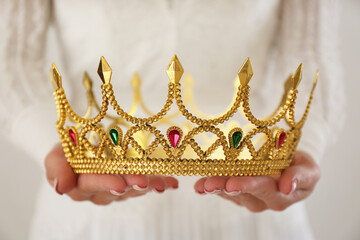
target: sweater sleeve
308 34
25 91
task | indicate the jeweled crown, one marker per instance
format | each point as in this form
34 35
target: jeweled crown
258 148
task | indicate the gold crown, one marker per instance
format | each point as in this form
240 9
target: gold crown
90 148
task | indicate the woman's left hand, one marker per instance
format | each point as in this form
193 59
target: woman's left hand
258 193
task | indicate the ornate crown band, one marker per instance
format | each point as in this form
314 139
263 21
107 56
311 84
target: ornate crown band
90 148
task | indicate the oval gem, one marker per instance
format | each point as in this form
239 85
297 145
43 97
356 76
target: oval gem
114 136
236 138
281 139
72 136
174 137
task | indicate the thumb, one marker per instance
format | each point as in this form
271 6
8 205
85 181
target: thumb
58 172
289 179
302 174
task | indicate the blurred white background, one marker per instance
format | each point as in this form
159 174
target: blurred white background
333 209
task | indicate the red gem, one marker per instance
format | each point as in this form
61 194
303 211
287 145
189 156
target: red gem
281 139
174 137
72 136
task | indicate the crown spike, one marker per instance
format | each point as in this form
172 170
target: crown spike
288 84
136 80
287 87
316 79
297 76
104 71
174 70
87 81
188 80
55 77
245 72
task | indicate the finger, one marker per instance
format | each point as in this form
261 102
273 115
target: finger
289 180
133 193
157 183
229 197
89 184
247 200
103 198
137 182
249 184
100 201
58 171
171 182
77 195
215 184
297 177
252 203
263 188
199 185
303 174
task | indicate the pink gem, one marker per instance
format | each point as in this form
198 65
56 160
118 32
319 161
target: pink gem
72 136
281 139
174 137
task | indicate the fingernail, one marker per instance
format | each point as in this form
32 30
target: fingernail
174 187
233 193
116 193
138 188
201 193
158 191
293 186
216 191
56 185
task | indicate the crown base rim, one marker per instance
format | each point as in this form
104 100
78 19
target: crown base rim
191 167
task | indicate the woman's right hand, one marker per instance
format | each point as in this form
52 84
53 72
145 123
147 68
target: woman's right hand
100 189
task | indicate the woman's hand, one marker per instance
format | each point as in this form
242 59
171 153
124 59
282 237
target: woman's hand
100 189
258 193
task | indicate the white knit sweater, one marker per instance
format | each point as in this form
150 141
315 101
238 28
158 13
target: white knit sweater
212 39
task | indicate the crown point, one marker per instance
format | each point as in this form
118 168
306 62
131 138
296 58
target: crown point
55 77
104 71
188 80
245 72
87 81
316 78
288 84
297 76
174 70
136 80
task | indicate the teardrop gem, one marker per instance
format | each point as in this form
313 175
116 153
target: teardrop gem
72 136
281 139
114 135
174 137
236 138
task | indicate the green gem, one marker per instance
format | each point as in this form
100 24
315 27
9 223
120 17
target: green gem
114 135
236 138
